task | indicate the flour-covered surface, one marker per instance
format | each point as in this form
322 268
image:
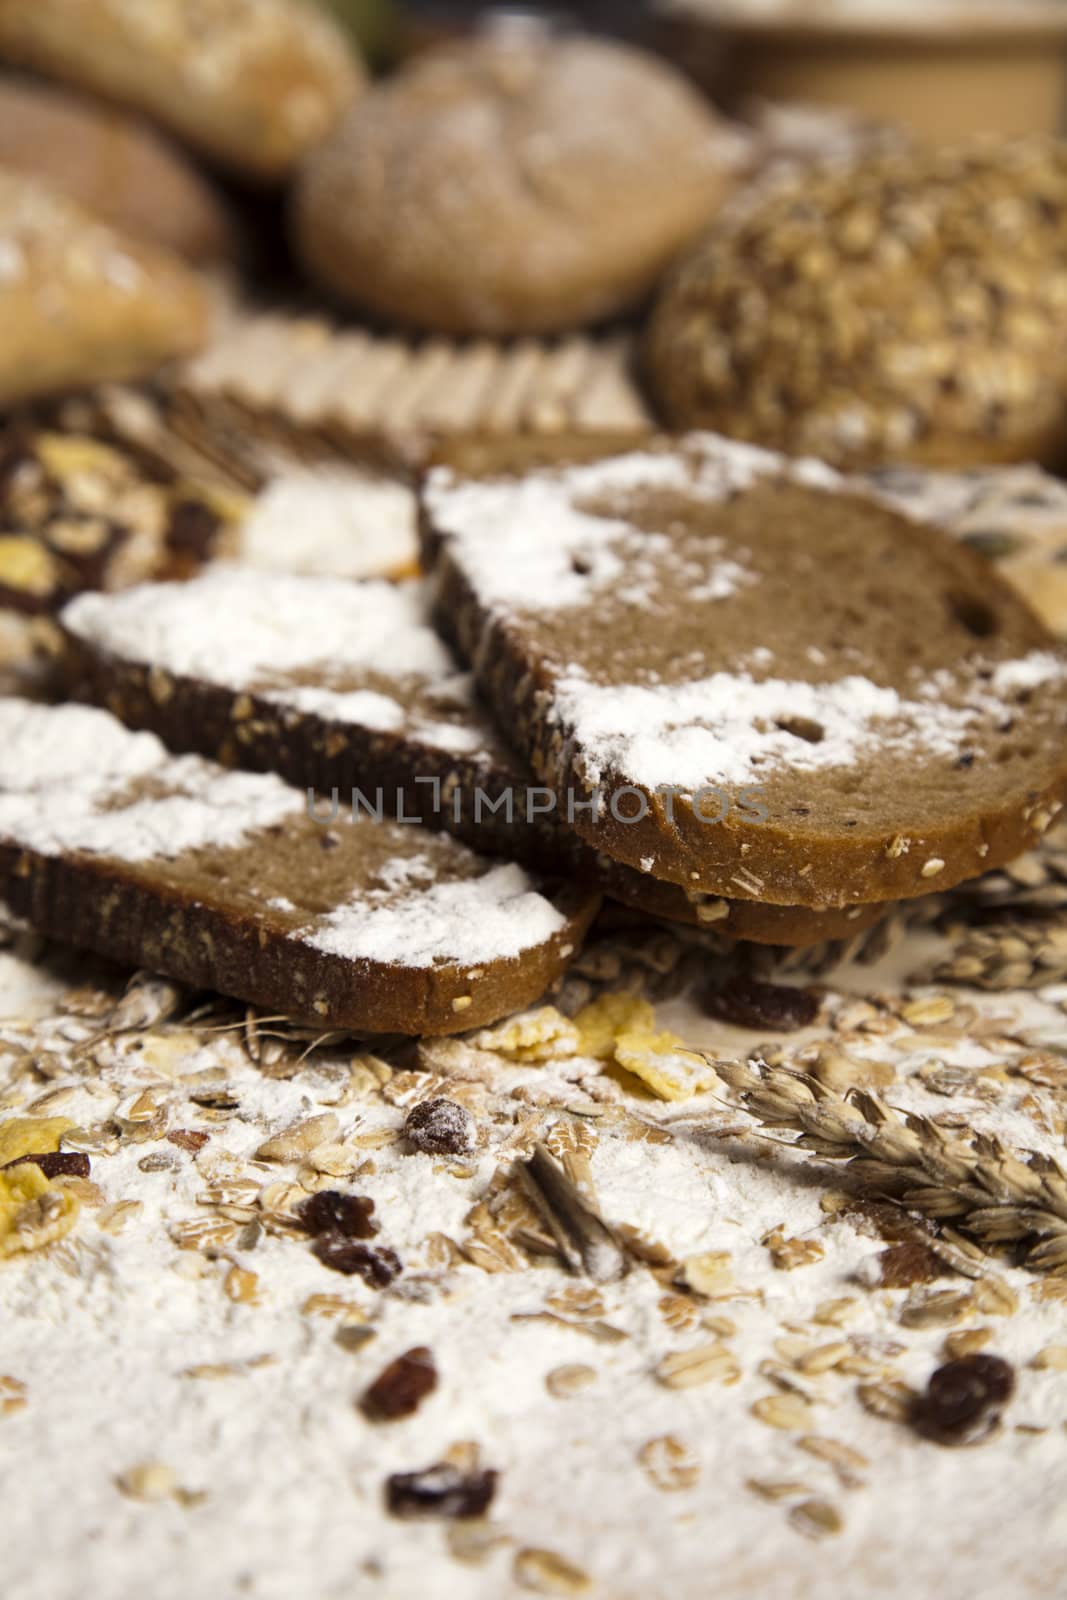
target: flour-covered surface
691 1363
226 880
361 654
331 519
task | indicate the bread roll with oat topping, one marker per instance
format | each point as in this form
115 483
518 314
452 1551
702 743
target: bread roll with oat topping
907 306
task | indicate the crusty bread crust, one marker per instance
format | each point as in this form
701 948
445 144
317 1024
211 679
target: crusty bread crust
253 86
512 186
115 166
86 303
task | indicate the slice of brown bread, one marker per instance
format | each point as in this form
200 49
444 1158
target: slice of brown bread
225 880
342 687
704 615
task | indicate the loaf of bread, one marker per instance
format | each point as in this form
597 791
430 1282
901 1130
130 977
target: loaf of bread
516 184
252 83
908 306
81 302
115 166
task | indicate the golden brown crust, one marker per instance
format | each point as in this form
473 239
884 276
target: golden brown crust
902 307
118 168
511 186
81 303
254 86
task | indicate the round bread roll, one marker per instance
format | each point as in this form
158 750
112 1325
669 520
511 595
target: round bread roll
254 84
114 166
907 306
517 184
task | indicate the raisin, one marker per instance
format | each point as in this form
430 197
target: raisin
747 1003
376 1265
909 1263
55 1163
400 1388
440 1491
440 1127
348 1215
194 528
963 1400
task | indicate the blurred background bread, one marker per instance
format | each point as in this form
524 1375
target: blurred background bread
512 184
81 302
907 306
252 85
114 165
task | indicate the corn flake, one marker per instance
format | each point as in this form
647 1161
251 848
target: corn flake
600 1023
663 1063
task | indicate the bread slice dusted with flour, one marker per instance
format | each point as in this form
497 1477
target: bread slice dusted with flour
688 628
345 688
224 880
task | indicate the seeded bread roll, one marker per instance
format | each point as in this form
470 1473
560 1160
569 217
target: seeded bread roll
81 303
908 306
512 185
115 166
681 630
252 83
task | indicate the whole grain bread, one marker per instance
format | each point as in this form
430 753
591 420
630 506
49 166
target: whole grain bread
80 302
344 689
905 306
78 513
703 616
518 183
226 881
253 85
115 166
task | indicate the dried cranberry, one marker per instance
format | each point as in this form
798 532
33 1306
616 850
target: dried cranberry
903 1265
440 1491
329 1211
747 1003
440 1127
963 1400
376 1265
55 1163
401 1387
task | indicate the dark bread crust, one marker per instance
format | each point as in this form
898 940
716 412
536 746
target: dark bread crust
812 866
133 914
245 730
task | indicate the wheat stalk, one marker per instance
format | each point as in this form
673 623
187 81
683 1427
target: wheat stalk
974 1183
